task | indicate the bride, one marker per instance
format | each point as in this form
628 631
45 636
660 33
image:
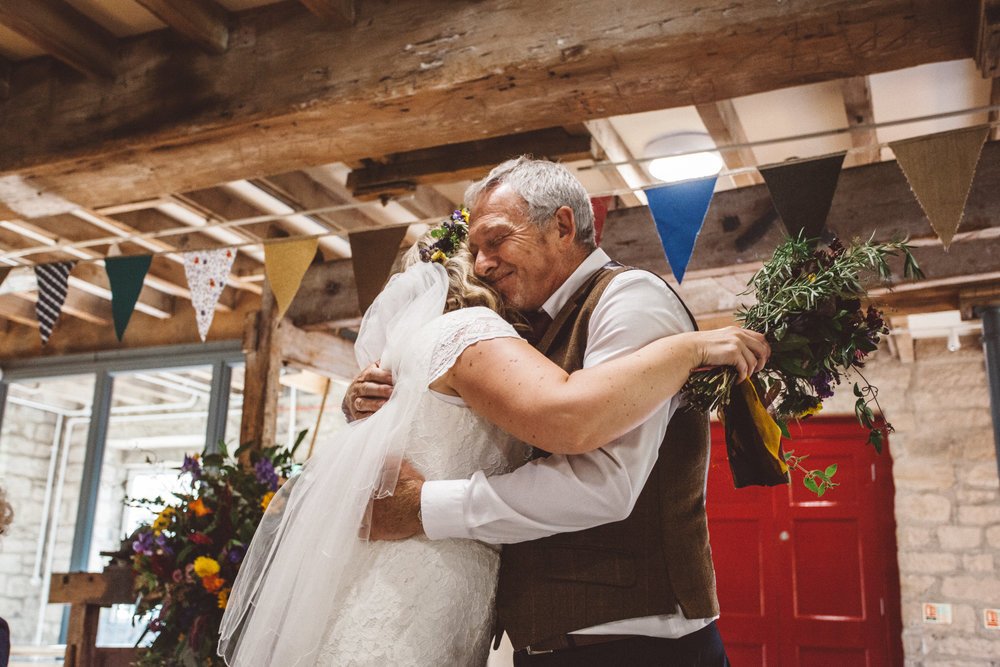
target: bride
313 591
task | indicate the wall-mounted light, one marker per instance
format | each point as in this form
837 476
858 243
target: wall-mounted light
682 156
954 342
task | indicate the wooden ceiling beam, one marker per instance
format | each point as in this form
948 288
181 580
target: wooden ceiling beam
613 148
724 126
88 277
988 38
338 13
399 173
72 335
741 229
303 192
408 76
858 107
204 22
65 33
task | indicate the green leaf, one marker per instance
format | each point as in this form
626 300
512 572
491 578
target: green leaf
820 491
783 425
857 391
831 470
298 440
810 484
875 439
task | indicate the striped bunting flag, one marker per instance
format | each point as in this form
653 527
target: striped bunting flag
52 286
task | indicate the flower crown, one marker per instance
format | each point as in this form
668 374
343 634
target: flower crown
450 236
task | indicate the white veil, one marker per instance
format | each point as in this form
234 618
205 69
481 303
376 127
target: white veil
292 578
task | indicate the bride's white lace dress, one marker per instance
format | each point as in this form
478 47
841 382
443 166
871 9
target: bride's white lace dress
416 601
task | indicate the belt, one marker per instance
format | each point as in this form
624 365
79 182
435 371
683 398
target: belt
572 641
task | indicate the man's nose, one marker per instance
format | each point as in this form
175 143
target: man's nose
484 264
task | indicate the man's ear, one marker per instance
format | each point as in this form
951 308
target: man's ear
565 223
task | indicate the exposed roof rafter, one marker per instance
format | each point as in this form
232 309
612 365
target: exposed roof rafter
64 32
204 22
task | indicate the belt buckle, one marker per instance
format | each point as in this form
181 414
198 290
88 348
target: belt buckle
532 651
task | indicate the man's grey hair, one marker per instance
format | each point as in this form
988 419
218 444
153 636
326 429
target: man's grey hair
544 186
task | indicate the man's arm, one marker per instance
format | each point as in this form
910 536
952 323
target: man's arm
568 493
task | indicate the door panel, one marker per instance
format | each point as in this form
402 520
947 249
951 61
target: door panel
807 580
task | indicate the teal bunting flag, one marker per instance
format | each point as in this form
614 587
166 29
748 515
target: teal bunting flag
126 275
802 193
679 212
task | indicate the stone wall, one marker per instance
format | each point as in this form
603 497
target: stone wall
947 497
25 449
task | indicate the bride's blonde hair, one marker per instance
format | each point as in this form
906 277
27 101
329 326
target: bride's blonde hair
465 290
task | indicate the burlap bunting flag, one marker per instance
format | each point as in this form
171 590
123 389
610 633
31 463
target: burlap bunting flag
940 169
126 276
372 255
679 212
802 193
53 283
285 263
4 271
207 272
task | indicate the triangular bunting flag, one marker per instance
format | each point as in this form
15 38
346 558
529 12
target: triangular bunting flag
679 212
53 282
126 275
4 270
939 169
285 263
802 192
600 206
207 272
372 255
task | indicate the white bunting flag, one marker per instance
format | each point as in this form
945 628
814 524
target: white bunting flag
207 272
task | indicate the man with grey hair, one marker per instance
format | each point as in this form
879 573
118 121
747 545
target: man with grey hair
607 558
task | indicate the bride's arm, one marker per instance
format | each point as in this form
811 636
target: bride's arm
516 388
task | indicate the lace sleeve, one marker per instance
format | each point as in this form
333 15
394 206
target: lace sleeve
459 330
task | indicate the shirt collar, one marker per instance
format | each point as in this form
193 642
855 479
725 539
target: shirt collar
592 263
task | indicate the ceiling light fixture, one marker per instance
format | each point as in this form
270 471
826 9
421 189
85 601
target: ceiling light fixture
669 167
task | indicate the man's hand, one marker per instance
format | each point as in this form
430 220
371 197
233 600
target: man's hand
367 392
396 517
747 351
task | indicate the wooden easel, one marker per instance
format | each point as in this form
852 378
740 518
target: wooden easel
86 593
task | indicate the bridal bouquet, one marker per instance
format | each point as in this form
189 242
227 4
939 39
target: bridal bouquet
810 307
186 559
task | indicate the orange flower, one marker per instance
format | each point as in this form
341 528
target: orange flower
212 583
198 507
266 500
223 598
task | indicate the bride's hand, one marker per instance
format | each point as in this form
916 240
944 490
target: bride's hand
746 351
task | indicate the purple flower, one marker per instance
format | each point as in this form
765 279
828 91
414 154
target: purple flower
143 544
161 541
264 471
235 554
192 466
822 384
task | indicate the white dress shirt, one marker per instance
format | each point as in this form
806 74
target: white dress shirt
563 493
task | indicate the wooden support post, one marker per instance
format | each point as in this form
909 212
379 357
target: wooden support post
261 387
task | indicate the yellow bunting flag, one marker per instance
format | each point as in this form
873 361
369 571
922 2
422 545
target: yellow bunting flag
372 255
285 263
753 440
939 169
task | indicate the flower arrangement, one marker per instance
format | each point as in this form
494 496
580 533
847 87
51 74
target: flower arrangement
809 306
450 236
187 558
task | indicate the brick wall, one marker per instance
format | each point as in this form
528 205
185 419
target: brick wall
947 497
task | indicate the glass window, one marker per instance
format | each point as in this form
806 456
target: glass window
42 450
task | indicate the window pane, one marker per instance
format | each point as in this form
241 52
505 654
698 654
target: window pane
42 447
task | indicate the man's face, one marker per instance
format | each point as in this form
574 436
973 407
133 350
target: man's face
522 262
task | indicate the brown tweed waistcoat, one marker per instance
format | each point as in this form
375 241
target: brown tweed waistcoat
646 565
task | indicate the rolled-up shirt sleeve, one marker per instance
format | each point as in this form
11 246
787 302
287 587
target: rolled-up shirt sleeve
565 493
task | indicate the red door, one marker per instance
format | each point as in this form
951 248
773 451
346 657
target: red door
806 580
